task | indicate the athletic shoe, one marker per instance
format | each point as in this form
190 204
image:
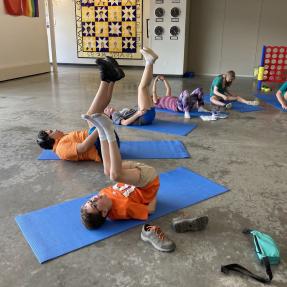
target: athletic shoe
116 66
149 55
222 115
228 106
107 71
180 224
154 235
214 116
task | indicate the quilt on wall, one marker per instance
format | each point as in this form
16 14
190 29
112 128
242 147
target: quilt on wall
109 27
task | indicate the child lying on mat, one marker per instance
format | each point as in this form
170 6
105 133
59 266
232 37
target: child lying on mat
144 113
185 102
219 92
282 96
85 145
134 194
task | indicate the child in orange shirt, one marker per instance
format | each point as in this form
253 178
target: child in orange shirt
134 194
85 145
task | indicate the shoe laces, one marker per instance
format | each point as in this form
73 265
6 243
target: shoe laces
158 232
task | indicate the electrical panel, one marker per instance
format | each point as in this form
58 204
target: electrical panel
168 33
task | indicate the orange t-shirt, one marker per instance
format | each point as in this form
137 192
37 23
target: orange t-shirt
130 202
66 147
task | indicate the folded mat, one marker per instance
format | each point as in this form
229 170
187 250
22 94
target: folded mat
237 106
56 230
140 149
161 126
271 100
193 113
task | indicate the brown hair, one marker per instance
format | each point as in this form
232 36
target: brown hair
231 74
92 220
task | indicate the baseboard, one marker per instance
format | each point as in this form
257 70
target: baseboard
9 73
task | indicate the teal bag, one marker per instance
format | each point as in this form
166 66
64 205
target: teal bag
267 252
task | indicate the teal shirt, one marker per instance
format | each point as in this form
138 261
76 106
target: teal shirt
283 88
217 82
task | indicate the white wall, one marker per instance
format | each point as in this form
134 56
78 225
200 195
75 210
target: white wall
24 46
65 29
229 34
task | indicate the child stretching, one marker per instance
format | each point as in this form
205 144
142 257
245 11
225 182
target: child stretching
144 114
134 194
219 92
84 144
185 102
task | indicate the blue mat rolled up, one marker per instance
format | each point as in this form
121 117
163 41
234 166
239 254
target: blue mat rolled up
56 230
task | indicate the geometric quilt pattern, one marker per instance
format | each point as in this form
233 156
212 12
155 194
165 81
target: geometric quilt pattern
109 27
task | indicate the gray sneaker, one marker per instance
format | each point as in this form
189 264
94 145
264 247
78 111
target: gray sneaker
180 224
154 235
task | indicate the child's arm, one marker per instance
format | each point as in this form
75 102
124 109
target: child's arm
281 100
155 97
217 93
132 118
167 86
88 142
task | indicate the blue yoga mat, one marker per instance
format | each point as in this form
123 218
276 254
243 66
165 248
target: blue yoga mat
238 107
271 100
193 113
174 128
56 230
139 150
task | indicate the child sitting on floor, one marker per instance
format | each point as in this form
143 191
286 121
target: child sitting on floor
220 95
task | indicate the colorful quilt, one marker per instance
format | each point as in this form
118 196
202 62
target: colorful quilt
109 27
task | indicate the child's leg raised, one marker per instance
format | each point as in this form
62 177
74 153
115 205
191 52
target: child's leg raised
145 101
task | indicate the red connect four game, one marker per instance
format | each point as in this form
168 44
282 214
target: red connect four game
273 66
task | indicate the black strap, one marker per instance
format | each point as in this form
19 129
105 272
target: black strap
240 269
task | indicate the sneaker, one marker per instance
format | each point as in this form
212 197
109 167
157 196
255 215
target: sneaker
116 66
221 115
154 235
107 71
180 224
214 116
228 106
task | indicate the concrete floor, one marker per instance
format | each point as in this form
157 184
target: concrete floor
246 152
